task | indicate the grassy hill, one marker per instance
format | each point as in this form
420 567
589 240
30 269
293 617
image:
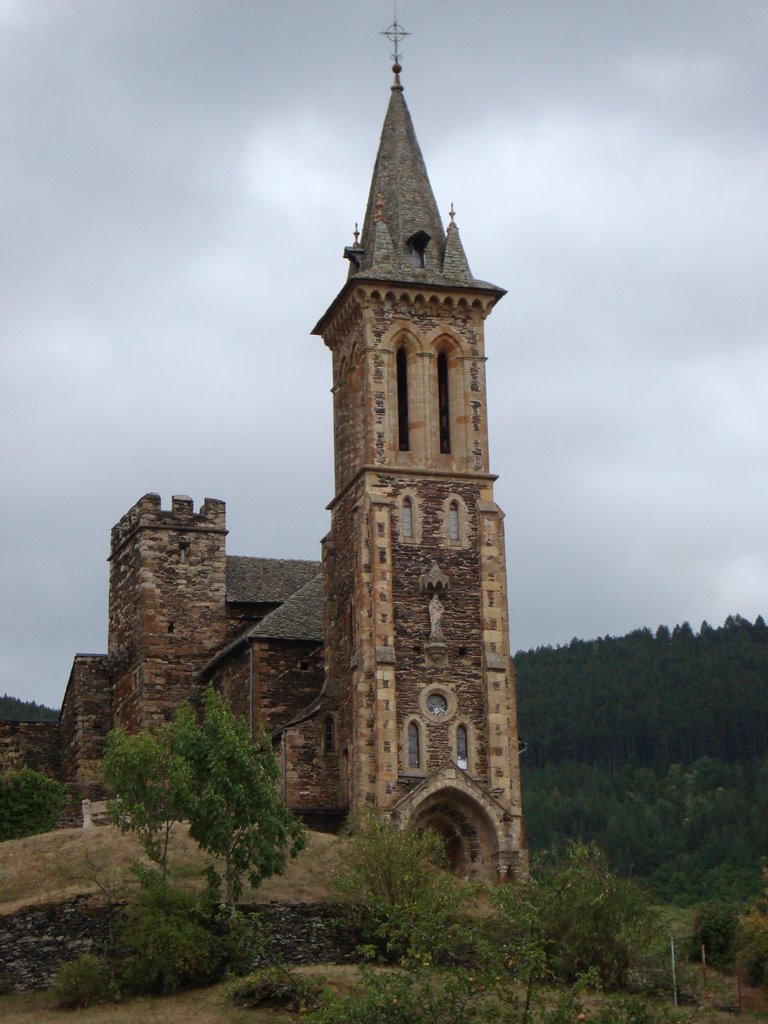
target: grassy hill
66 863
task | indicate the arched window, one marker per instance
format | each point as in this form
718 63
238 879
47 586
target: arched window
407 518
462 753
453 521
330 735
401 360
414 746
443 405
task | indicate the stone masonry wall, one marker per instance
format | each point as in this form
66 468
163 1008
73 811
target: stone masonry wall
86 718
287 677
35 745
35 942
462 670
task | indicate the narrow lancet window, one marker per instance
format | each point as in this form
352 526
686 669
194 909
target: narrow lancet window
462 757
443 405
453 520
407 517
330 737
402 401
414 746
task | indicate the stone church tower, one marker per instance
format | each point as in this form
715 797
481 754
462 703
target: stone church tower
419 692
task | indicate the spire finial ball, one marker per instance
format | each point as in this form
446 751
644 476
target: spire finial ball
396 67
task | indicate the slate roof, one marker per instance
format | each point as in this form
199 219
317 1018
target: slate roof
267 580
299 618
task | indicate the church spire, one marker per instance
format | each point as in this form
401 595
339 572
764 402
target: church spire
403 236
401 184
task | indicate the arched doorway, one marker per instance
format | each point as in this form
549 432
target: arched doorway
470 837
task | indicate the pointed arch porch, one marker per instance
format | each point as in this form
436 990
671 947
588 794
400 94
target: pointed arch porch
483 839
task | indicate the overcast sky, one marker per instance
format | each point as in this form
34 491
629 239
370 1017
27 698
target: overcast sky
177 183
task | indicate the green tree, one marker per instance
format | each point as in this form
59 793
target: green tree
231 796
212 774
151 780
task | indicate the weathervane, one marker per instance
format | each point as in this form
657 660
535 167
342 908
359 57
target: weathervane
395 33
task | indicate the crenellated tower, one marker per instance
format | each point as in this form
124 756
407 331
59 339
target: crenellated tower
419 681
167 605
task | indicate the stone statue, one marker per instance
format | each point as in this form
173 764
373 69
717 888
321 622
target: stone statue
436 611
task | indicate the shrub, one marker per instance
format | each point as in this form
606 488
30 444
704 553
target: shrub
168 944
753 946
84 982
277 986
574 918
633 1010
399 896
172 939
715 929
417 996
30 803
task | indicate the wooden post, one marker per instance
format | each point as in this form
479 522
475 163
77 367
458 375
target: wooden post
704 971
674 974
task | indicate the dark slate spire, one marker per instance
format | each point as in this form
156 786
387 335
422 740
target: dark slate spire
400 183
403 235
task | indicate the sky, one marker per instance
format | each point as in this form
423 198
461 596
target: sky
177 183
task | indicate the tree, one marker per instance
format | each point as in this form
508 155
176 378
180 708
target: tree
213 775
151 780
231 798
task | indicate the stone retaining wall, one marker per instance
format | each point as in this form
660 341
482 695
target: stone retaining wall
36 941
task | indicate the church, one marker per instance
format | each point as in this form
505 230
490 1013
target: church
383 670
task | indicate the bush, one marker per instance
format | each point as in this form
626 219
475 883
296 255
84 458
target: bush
424 995
84 982
575 918
168 944
277 986
715 929
399 896
30 803
172 939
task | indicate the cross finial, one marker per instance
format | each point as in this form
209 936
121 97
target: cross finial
396 33
452 214
356 234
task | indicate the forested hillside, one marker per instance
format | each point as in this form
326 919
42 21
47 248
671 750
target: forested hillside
655 747
646 699
15 710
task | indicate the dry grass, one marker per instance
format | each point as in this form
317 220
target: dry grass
65 863
211 1006
201 1006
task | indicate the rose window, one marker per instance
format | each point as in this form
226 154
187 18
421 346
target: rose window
437 704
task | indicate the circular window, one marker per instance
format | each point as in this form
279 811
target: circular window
437 704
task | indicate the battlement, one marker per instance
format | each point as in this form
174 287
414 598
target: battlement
148 514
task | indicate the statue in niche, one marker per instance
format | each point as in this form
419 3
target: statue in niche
436 612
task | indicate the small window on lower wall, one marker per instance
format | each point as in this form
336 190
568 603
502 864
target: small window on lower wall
330 735
462 751
407 518
414 746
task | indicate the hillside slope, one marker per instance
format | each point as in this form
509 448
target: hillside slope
65 863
